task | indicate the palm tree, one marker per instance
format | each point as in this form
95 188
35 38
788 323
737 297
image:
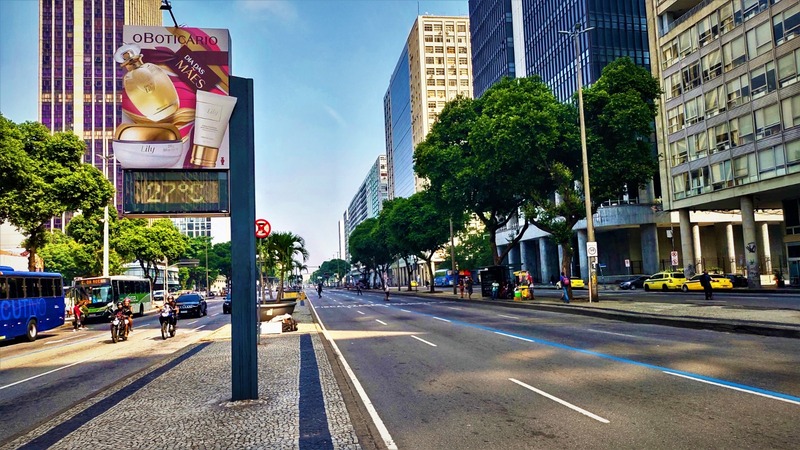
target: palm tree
283 247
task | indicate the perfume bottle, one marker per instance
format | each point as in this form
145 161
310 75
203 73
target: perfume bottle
149 88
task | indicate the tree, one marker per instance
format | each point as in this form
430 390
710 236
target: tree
150 245
361 245
285 247
87 230
197 248
472 250
64 255
481 155
43 176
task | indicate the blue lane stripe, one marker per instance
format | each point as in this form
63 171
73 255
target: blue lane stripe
314 432
732 384
61 430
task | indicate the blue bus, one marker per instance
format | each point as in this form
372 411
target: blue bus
444 277
30 302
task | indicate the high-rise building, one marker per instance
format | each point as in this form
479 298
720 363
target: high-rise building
368 201
730 127
496 28
434 67
194 226
80 84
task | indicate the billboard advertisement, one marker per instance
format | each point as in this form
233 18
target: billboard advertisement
175 102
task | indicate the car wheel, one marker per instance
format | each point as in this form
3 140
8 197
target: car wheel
664 288
205 311
647 288
684 288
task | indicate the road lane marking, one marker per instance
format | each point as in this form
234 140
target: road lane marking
611 332
405 310
558 400
363 313
423 340
388 441
515 337
509 317
194 321
381 322
443 320
201 326
48 372
735 388
453 307
62 340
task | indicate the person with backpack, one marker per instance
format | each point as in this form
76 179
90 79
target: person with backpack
565 286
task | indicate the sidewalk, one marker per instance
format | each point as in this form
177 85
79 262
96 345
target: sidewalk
697 314
183 403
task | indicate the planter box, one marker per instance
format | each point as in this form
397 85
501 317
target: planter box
267 311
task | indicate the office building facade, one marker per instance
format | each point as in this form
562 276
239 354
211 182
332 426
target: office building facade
434 67
80 85
730 126
368 201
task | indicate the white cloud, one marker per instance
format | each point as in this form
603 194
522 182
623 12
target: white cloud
336 116
279 9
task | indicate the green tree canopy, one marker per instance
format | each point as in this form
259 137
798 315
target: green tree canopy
150 245
43 176
63 254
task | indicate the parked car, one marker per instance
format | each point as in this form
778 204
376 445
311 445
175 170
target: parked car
159 295
717 282
226 305
737 280
665 281
576 283
193 304
634 283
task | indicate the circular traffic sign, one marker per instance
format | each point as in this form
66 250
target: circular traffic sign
263 228
591 249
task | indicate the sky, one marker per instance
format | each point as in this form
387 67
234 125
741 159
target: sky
320 69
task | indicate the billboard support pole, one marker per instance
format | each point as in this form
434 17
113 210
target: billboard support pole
244 333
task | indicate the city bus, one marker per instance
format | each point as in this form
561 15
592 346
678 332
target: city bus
444 277
116 288
30 302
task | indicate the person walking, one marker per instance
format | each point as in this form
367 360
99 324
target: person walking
358 288
386 292
461 286
495 289
468 282
705 281
77 316
319 290
565 287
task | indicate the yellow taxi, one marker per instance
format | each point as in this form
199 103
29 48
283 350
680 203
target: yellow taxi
665 281
577 283
717 282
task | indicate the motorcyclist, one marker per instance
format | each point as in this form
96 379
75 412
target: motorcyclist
127 311
171 307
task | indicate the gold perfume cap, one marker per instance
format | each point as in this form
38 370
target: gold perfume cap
204 156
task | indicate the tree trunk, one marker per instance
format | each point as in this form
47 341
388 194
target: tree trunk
566 264
410 272
429 265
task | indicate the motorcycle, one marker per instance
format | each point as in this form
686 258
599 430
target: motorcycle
167 319
119 324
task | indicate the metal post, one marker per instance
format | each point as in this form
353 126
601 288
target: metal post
453 257
244 337
584 154
105 241
207 287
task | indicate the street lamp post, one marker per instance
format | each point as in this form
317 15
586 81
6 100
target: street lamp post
106 160
575 34
207 287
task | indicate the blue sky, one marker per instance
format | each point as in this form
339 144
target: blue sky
320 71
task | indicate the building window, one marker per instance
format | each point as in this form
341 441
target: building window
712 65
733 53
686 43
673 86
753 7
762 80
771 162
738 91
793 156
679 184
759 40
786 25
788 68
720 137
768 121
708 29
669 53
721 175
675 119
730 15
428 27
791 111
714 101
700 180
742 130
744 169
691 77
694 110
678 150
698 146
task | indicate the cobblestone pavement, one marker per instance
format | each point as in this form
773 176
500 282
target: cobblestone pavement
183 403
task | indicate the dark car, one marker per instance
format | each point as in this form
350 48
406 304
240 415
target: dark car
226 305
193 304
737 279
634 283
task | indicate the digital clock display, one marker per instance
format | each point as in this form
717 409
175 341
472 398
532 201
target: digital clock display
175 193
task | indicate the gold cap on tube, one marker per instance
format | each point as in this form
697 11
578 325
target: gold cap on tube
204 156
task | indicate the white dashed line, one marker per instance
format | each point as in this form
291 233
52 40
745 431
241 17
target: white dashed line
201 326
610 332
452 307
512 336
439 318
508 317
423 340
381 322
558 400
405 310
360 312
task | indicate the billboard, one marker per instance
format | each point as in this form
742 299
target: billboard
175 102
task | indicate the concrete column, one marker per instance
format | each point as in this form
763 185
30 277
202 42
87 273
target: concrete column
528 257
584 263
514 258
731 247
698 250
649 242
751 250
560 258
687 249
545 248
765 248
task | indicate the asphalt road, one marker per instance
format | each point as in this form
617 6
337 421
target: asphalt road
444 374
62 367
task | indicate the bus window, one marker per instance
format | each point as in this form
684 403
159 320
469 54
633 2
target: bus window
47 288
3 288
15 286
32 288
58 287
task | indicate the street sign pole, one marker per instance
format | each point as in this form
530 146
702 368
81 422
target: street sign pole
244 337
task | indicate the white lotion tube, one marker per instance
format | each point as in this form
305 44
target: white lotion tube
212 113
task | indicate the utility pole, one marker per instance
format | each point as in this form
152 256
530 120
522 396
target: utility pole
453 258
